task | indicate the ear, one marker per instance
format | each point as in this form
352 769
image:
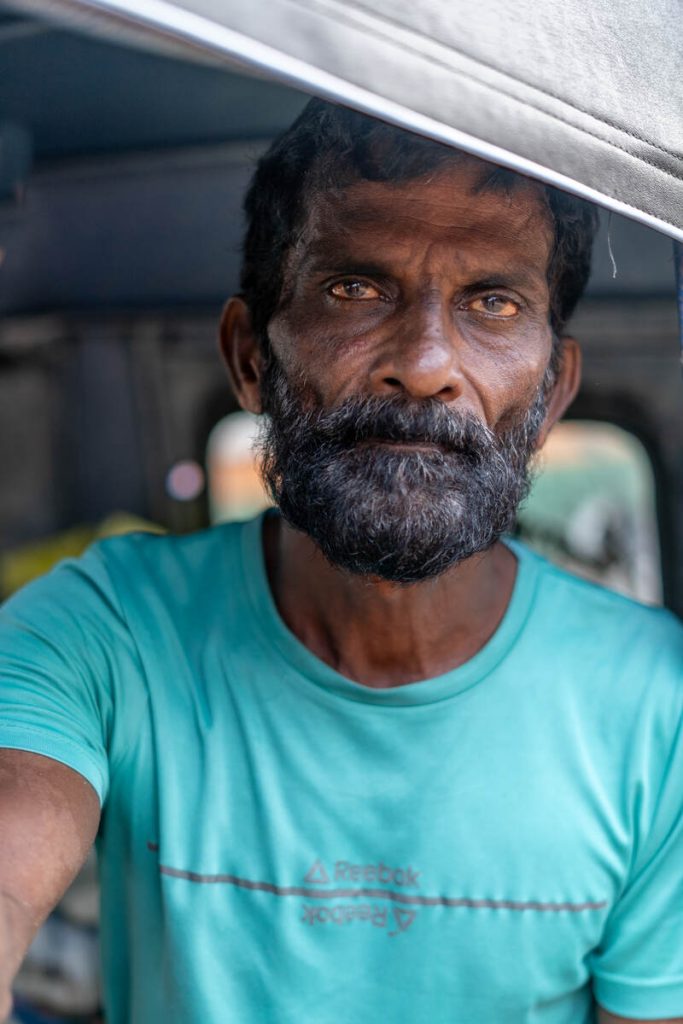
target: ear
565 387
241 354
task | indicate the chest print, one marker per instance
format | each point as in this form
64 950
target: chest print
375 895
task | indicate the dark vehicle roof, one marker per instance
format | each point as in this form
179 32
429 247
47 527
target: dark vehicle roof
582 97
100 139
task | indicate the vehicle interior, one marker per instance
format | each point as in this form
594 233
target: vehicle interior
122 174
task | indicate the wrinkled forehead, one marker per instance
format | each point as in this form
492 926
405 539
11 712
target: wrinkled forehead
467 203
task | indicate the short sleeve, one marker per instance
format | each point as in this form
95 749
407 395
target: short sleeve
58 651
638 968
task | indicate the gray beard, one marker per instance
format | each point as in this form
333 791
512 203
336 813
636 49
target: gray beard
404 516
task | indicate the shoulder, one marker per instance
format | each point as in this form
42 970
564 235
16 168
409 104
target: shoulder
574 600
612 670
174 568
147 548
102 583
615 637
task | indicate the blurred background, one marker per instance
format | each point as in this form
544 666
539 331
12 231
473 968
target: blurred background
121 179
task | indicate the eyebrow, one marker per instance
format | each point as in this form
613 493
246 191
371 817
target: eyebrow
333 256
347 265
331 263
505 279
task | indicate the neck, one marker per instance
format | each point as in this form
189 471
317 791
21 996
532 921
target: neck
383 634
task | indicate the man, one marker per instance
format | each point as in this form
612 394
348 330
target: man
362 760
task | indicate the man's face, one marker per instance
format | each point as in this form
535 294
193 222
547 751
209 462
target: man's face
409 377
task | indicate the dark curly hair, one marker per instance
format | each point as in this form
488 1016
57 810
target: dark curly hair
329 147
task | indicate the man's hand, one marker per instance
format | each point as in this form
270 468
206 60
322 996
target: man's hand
48 820
608 1018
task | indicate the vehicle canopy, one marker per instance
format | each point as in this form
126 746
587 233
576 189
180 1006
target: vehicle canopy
581 96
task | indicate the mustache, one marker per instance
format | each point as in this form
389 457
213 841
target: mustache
404 516
401 421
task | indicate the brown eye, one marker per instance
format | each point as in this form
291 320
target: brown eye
495 305
354 289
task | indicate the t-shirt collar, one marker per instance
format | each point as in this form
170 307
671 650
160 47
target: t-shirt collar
312 670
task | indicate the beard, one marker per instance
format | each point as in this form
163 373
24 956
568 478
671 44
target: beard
376 509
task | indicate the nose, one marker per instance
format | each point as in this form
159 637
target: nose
422 359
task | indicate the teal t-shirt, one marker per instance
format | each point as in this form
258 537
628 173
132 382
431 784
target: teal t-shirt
279 844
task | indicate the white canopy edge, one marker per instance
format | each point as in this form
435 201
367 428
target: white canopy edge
201 37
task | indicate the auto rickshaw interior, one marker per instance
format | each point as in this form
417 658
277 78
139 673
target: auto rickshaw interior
121 179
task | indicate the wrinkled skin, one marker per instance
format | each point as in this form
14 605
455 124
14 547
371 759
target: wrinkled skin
428 290
390 487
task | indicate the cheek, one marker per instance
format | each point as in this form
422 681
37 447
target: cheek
330 357
507 379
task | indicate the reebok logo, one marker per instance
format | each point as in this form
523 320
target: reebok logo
316 874
371 883
393 920
344 871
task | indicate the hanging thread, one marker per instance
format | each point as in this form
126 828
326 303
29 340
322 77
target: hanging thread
609 245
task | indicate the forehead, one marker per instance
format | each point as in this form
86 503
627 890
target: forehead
451 209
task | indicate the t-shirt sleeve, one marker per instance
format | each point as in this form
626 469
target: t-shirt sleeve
638 968
58 644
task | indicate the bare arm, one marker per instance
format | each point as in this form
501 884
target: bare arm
608 1018
48 820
